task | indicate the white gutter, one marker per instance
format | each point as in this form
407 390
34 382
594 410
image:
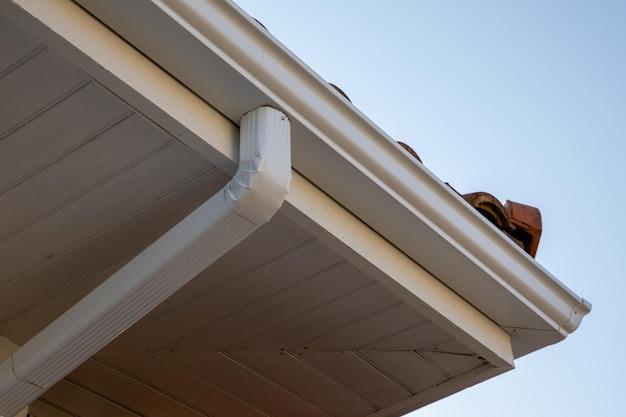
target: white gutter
248 201
343 153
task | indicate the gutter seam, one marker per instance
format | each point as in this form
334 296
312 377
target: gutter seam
17 376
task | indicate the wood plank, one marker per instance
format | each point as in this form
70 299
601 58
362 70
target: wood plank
454 364
453 357
362 332
323 319
307 382
417 337
42 409
90 166
405 367
358 375
98 210
246 384
226 300
128 392
26 301
15 44
450 346
55 132
82 402
273 240
38 83
306 295
180 383
26 323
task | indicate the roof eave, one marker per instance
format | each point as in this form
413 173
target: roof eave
341 151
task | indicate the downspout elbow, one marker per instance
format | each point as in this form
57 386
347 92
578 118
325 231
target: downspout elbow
261 183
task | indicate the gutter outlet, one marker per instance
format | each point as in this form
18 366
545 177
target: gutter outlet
249 200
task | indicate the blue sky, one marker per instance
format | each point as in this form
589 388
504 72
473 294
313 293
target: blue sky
525 100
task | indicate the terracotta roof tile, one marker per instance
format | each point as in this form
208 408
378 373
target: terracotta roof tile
522 223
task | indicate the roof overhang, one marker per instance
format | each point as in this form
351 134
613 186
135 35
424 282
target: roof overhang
143 85
148 96
353 188
228 59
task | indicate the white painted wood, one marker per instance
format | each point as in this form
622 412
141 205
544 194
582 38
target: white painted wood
322 319
32 319
355 373
281 307
268 244
405 367
42 409
180 383
134 395
441 390
32 91
363 331
96 256
453 364
15 44
295 375
109 155
246 384
451 346
453 358
225 300
82 402
55 132
77 36
97 211
360 245
420 336
527 340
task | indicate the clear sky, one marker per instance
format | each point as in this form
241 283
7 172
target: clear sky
525 100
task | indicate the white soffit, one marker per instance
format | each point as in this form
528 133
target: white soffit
220 53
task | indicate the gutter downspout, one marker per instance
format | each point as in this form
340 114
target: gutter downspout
249 200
